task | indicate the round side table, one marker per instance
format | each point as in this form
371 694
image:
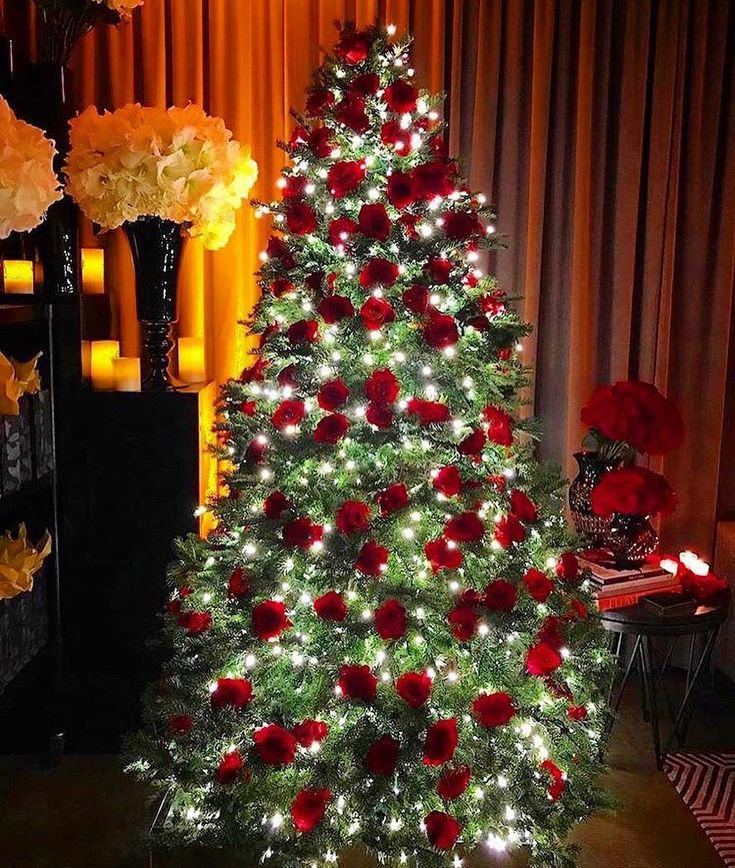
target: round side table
646 624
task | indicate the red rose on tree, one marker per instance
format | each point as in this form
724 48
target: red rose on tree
448 481
378 271
238 585
300 219
288 413
463 620
432 180
358 682
501 596
428 411
401 190
320 142
441 830
248 408
576 712
632 491
439 270
442 555
275 745
390 620
568 567
303 331
392 499
255 373
367 83
372 560
493 709
379 414
331 607
522 506
232 693
332 394
179 724
454 782
310 731
538 584
458 226
299 136
375 313
195 623
351 112
441 331
302 533
414 688
334 308
270 619
401 96
499 426
374 221
353 47
393 134
382 758
542 659
230 769
294 186
331 429
345 177
382 386
353 516
308 808
287 377
281 286
256 452
465 527
558 784
509 530
441 742
551 632
341 229
318 101
473 443
417 299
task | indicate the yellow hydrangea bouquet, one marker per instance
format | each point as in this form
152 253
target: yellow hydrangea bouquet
28 183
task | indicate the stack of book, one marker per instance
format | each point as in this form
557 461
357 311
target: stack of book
615 588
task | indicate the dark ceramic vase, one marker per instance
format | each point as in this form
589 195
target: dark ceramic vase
591 469
630 538
156 245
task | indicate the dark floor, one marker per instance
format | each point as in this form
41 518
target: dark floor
85 813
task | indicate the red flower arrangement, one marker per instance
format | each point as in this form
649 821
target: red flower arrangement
632 491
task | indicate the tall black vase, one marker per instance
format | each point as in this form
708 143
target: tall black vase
156 245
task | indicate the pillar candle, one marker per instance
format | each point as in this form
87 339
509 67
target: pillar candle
86 360
93 271
103 352
191 360
18 276
127 374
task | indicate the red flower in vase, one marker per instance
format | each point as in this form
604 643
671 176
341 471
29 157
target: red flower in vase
632 491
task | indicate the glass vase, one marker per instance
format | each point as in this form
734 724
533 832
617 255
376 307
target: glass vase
591 469
630 539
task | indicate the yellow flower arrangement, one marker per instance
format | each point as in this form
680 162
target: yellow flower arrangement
20 561
28 183
179 164
17 379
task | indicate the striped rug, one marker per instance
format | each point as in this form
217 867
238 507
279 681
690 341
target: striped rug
706 783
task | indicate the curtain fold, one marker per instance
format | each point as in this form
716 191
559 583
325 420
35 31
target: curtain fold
601 129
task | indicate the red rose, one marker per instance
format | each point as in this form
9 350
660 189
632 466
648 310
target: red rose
473 443
379 414
302 533
390 620
542 659
499 425
393 135
331 429
432 180
632 491
416 299
300 219
401 190
448 481
382 386
238 585
230 769
392 499
270 619
332 394
281 286
493 709
294 186
441 830
471 597
299 136
558 784
351 112
275 745
331 607
335 308
439 270
309 732
707 589
414 688
288 413
374 221
320 142
551 632
522 506
178 724
353 47
255 373
458 226
577 609
287 377
303 331
375 313
249 408
401 96
576 712
232 693
465 527
367 83
372 560
358 682
256 452
441 742
345 177
509 530
308 808
501 596
454 782
441 331
442 555
195 623
568 567
463 620
378 271
382 758
538 584
353 516
341 229
428 411
318 101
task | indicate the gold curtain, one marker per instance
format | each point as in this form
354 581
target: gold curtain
602 130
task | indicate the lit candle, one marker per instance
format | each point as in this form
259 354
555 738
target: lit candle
191 360
86 360
18 276
694 563
126 371
103 352
93 271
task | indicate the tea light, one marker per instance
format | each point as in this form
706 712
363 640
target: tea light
126 371
694 563
102 354
18 276
86 360
93 271
191 360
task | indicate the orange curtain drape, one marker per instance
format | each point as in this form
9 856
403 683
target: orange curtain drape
603 131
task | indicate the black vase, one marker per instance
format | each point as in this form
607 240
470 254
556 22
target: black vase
591 469
630 538
156 245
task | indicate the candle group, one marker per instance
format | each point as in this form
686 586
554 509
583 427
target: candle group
18 276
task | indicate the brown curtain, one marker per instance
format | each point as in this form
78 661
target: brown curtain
603 131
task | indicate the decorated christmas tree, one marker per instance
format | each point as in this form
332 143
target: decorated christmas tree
385 643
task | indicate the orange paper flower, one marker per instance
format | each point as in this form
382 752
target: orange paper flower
20 561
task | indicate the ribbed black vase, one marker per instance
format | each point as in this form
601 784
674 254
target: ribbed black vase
156 245
591 470
630 538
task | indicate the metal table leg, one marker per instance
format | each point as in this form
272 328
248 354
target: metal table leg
649 691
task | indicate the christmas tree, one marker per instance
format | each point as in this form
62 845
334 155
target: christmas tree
386 643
